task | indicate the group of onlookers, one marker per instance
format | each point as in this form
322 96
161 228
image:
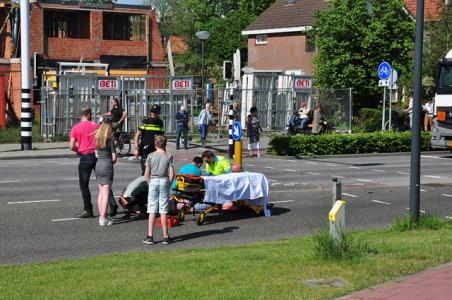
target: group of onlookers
95 144
427 108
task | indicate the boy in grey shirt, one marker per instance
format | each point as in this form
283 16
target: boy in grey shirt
159 174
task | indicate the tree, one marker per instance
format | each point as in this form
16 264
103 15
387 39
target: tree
224 19
437 42
353 40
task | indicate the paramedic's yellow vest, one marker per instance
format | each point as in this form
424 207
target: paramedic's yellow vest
221 166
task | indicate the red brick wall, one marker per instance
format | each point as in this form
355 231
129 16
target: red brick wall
93 48
432 8
282 52
36 28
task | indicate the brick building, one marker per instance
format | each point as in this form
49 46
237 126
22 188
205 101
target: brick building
124 37
277 40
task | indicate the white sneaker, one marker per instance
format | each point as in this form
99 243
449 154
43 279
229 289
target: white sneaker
105 221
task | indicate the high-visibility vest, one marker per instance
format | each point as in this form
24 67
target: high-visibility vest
220 166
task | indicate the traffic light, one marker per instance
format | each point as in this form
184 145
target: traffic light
227 70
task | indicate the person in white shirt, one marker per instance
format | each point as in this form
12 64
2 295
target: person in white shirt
428 120
204 118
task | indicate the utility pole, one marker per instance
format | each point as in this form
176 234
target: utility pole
26 112
416 129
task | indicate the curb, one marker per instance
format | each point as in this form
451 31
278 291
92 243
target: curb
307 157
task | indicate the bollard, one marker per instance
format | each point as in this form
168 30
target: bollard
337 190
238 153
337 221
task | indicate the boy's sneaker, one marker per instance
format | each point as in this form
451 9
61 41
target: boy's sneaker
167 240
149 240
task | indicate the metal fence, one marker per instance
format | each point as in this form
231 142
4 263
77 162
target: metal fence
272 94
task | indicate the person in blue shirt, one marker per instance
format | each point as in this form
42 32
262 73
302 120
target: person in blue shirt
194 168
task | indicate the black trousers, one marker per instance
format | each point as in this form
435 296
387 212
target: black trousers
181 130
144 156
85 167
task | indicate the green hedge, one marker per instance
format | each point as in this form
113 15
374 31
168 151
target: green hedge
327 144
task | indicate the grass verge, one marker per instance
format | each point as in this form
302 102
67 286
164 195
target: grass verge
266 270
11 135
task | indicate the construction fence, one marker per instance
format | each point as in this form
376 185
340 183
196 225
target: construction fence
275 97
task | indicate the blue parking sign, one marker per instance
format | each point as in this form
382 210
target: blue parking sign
384 71
236 131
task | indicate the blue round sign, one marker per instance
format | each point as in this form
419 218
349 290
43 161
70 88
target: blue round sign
384 71
236 131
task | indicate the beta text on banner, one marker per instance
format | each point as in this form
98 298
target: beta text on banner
182 85
303 83
107 84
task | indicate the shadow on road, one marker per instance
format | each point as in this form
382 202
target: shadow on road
205 233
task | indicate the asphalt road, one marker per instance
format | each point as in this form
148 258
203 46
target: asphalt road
39 198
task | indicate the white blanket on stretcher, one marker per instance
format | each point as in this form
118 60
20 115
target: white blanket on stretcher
248 186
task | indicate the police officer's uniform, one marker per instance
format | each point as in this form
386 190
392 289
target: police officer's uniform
149 128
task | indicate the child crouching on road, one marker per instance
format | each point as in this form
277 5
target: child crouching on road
159 174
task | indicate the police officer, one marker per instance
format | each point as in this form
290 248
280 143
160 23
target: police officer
145 136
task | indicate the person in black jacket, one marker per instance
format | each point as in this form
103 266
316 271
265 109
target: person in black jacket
145 136
182 119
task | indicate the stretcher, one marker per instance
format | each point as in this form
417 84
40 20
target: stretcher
245 189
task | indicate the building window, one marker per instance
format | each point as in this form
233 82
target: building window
310 45
66 24
124 27
261 39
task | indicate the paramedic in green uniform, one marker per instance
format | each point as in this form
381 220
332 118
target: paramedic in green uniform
215 164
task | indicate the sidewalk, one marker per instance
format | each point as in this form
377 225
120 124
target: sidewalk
61 149
434 284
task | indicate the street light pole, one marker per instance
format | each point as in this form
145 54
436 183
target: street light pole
202 35
202 72
416 128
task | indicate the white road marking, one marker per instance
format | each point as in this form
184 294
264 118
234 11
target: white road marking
290 170
364 180
397 166
283 201
272 180
422 190
312 173
33 201
358 168
67 219
350 195
312 163
432 176
294 161
10 181
378 170
249 165
446 195
31 165
331 165
337 176
422 211
435 157
354 183
403 173
381 202
70 163
290 184
447 217
266 167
